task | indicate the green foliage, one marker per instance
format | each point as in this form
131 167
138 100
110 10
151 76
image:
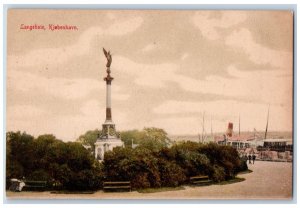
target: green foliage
152 138
87 179
218 173
141 166
130 136
155 139
152 164
171 174
89 138
190 159
243 165
39 175
49 159
223 156
21 151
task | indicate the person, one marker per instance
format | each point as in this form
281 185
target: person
253 158
249 158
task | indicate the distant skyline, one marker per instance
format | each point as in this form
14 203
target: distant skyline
169 68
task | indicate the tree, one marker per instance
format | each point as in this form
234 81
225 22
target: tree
49 159
130 136
20 154
89 138
154 139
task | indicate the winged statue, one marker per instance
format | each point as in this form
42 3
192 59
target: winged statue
108 57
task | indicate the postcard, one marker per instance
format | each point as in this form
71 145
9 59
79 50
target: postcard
149 104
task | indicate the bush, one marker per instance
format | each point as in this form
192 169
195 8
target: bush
84 180
152 164
171 166
39 175
138 165
141 181
218 174
48 159
224 156
243 165
171 174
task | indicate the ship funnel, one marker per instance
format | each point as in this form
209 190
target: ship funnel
229 129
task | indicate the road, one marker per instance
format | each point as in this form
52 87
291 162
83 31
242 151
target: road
269 180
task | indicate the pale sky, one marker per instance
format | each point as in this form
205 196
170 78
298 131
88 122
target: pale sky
170 67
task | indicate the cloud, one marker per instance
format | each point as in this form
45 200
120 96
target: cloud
209 26
184 56
91 108
149 47
150 75
60 55
170 93
31 119
37 121
221 112
261 85
25 111
242 39
124 27
177 125
58 87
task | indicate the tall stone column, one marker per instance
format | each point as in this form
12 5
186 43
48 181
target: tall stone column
108 128
108 80
108 138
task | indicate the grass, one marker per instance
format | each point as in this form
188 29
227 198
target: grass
154 190
245 172
235 180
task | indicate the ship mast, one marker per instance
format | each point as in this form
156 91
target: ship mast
239 126
211 130
203 128
267 124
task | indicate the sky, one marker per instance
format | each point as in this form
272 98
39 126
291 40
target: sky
170 69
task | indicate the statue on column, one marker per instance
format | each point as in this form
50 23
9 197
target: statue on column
108 57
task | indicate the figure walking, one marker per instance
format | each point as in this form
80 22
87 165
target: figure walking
249 158
253 158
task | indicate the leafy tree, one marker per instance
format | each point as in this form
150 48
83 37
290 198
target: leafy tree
154 139
89 138
20 154
130 136
78 158
152 164
150 138
47 158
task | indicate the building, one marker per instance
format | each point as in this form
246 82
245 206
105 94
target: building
108 139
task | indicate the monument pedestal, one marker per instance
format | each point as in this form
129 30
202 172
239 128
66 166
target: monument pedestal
107 140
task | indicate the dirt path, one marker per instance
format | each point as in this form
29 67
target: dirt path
269 180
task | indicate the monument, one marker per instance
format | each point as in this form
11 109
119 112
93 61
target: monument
108 139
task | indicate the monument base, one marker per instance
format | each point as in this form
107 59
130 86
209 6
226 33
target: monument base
107 140
104 145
